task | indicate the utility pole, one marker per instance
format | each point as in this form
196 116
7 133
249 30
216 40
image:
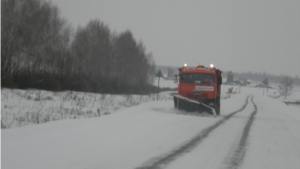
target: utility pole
158 87
286 86
158 74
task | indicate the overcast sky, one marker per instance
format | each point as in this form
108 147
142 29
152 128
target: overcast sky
253 35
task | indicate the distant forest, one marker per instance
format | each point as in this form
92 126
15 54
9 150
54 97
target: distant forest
259 77
39 49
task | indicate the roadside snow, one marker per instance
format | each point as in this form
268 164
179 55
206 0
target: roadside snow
275 137
23 107
133 136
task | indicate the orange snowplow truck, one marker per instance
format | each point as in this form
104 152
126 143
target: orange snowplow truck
199 89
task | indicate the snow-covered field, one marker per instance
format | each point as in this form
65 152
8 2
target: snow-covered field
139 132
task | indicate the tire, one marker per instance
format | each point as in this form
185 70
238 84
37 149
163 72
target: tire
218 110
180 104
218 106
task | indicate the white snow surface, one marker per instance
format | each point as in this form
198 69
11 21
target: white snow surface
131 137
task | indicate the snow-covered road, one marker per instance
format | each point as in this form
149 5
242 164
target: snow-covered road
141 136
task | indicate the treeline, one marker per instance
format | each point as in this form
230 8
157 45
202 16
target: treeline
261 76
39 49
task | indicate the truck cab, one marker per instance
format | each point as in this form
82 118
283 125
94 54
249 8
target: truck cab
200 84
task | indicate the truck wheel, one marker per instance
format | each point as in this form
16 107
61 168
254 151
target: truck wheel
179 103
218 106
218 110
199 108
189 107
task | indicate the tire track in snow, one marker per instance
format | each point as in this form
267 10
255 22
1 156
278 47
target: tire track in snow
163 160
239 153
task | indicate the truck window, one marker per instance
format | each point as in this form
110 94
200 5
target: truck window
197 78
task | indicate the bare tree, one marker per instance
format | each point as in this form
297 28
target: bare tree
91 49
35 39
286 86
37 52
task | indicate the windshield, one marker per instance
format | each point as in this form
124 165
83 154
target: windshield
197 78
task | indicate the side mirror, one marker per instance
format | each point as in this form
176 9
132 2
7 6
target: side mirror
176 79
219 80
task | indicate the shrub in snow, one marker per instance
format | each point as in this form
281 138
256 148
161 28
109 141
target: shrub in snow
23 107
